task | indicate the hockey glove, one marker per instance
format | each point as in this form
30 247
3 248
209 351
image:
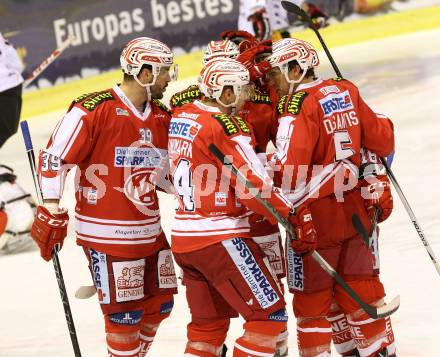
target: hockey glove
242 39
377 195
260 24
306 237
248 59
49 229
318 18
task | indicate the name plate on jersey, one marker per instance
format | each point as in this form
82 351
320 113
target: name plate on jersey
138 157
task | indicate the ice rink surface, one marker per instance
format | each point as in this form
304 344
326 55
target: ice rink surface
398 76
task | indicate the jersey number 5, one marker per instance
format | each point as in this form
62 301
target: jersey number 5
182 179
342 142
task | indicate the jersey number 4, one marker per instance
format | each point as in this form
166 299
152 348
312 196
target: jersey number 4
182 179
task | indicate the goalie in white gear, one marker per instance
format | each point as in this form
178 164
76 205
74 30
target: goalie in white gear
17 211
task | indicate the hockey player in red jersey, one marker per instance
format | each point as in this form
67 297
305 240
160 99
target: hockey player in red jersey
118 139
323 125
224 271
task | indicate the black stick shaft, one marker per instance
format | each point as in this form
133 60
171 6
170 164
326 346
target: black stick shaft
55 260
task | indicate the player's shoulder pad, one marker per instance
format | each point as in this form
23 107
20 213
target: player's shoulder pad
291 104
162 106
186 96
92 100
232 124
261 98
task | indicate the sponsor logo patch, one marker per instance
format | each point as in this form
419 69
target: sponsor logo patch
120 111
336 103
187 96
229 125
295 270
251 272
242 124
126 318
295 102
220 199
92 196
329 89
183 128
166 307
280 315
93 101
281 103
138 157
129 280
271 248
165 270
100 275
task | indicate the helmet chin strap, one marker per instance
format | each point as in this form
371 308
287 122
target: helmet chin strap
292 82
147 86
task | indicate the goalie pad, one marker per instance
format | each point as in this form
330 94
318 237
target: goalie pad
19 209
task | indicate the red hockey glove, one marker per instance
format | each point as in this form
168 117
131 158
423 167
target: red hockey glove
48 230
318 18
243 39
377 195
260 69
260 24
306 238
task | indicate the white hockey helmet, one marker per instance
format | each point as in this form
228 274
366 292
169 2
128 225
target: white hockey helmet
221 72
222 49
145 50
292 49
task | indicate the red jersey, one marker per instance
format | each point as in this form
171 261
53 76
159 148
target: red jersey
259 113
326 123
116 149
209 210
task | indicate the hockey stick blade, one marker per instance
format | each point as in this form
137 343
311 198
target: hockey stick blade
85 292
357 224
295 9
372 311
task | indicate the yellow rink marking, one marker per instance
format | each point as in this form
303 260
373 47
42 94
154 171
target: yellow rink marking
345 33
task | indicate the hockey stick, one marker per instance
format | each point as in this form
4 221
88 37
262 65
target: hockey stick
295 9
47 61
372 311
412 216
292 8
55 260
357 224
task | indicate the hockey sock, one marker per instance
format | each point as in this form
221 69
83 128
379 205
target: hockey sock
192 352
244 348
341 333
120 349
314 336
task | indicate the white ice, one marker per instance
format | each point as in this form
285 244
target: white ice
398 76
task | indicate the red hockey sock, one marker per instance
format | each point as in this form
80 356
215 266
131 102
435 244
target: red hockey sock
244 348
146 338
117 349
191 352
341 333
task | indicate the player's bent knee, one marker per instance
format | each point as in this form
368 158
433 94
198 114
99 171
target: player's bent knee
157 308
369 290
126 322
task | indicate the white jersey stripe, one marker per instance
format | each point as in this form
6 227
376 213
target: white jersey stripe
204 233
115 231
114 221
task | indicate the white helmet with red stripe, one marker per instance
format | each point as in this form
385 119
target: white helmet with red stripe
221 72
222 48
145 50
292 49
